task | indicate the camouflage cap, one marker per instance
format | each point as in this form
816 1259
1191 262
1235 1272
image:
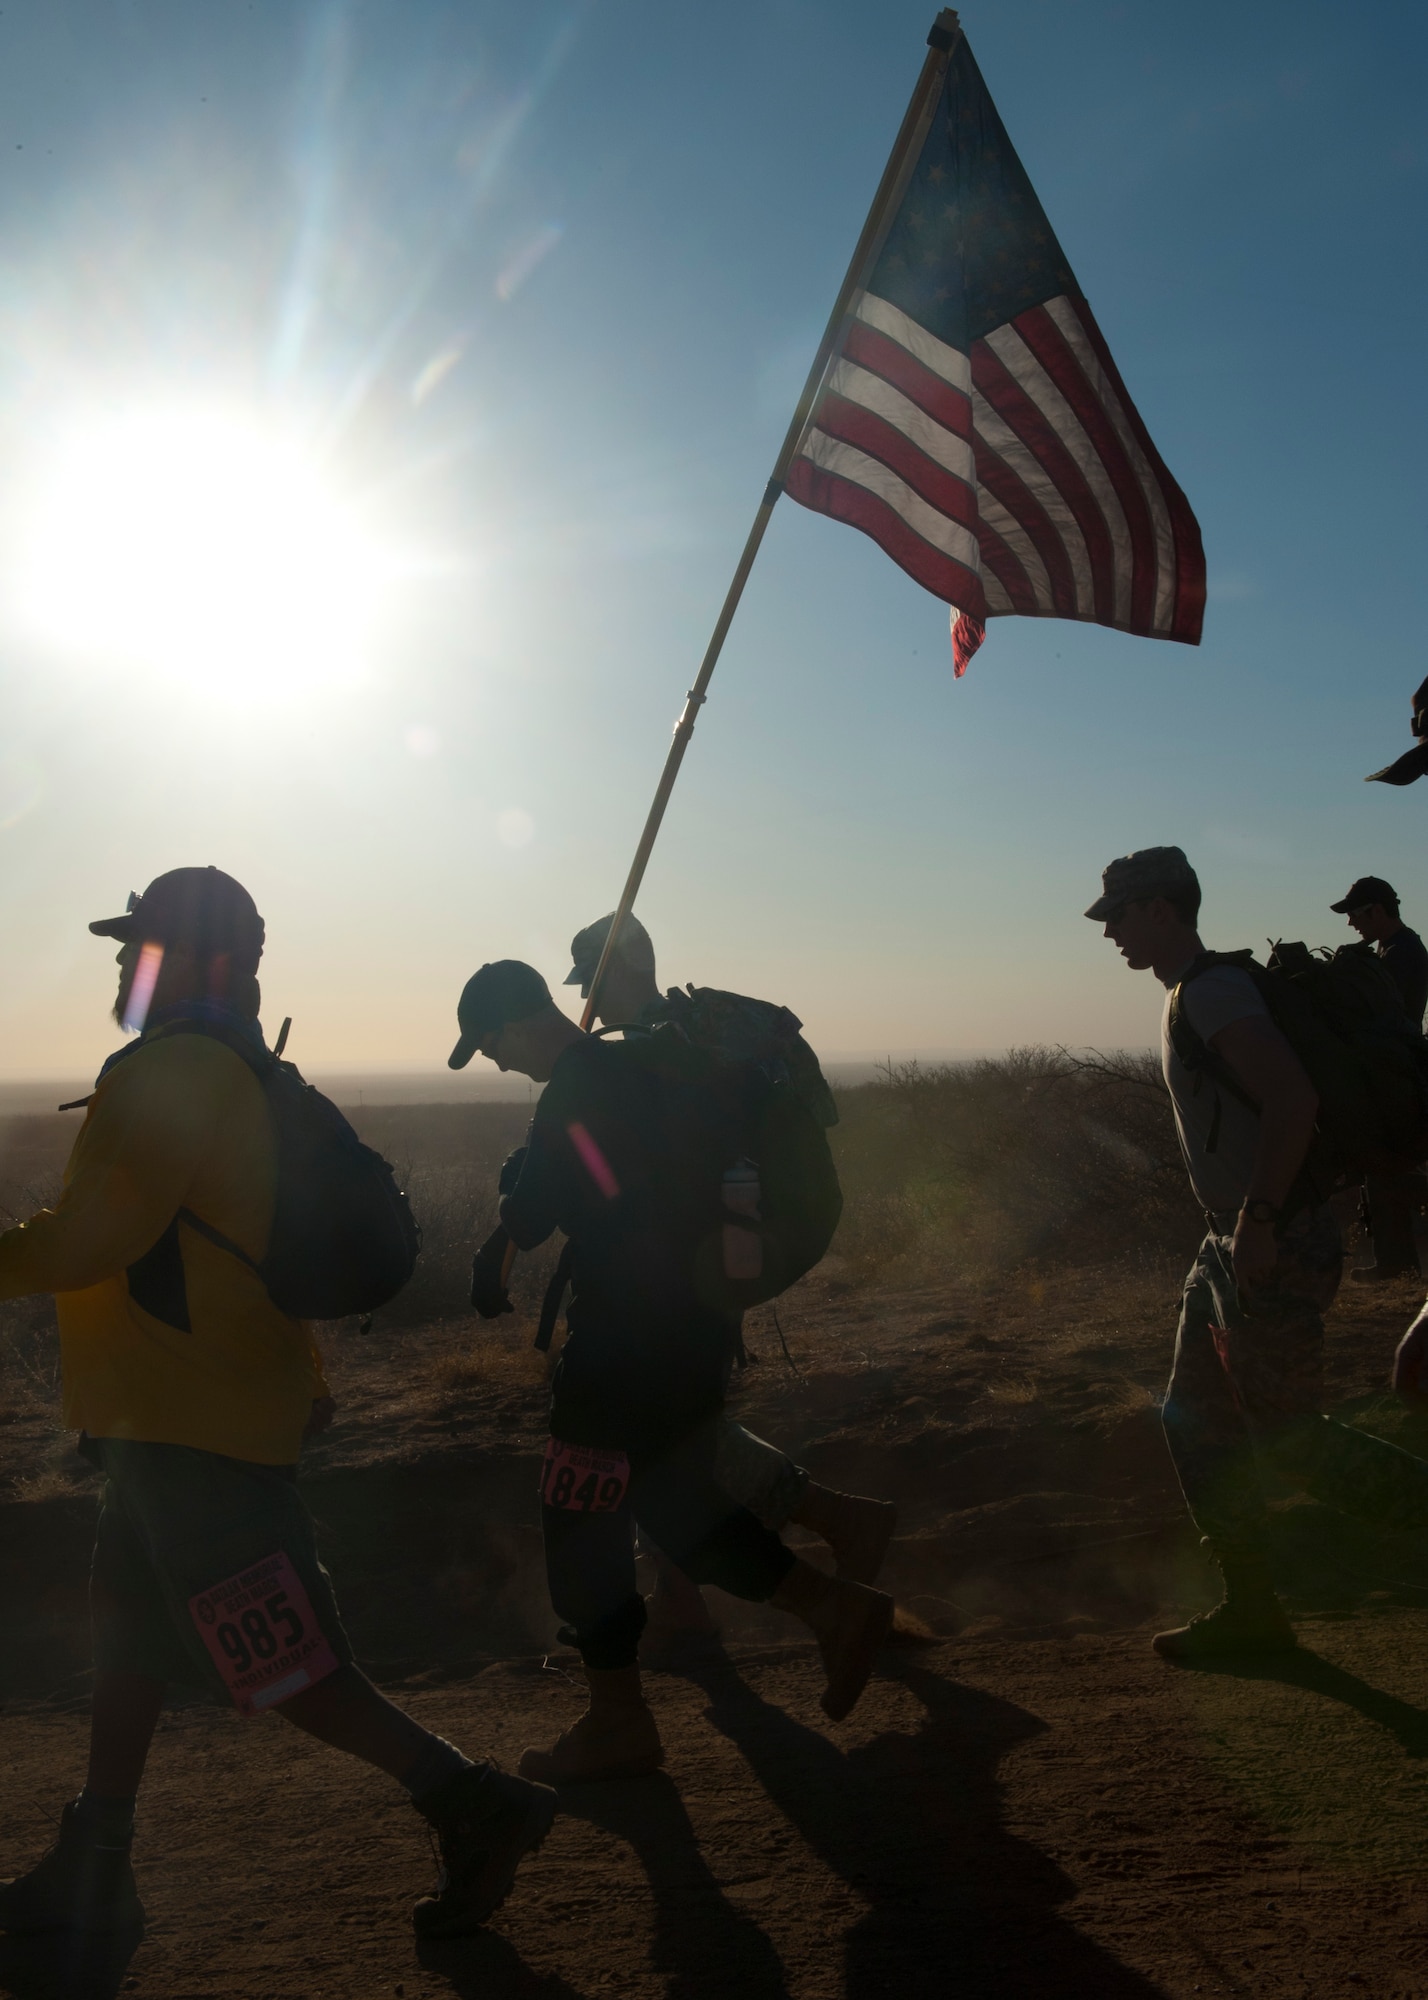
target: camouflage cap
1135 878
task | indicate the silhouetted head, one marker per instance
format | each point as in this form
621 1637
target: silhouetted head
194 934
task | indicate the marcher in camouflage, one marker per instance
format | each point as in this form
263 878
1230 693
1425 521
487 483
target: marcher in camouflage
1247 1383
755 1473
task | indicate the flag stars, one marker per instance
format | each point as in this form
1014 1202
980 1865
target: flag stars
937 175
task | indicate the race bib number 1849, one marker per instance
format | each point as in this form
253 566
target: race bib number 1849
263 1635
582 1479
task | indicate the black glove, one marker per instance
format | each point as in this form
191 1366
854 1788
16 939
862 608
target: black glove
511 1171
488 1293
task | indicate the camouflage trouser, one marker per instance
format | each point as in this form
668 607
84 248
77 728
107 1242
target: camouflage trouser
758 1475
1390 1202
1248 1383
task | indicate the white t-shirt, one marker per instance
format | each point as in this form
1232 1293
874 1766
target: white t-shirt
1204 1110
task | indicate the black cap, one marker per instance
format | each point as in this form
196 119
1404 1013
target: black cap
1413 763
201 909
1368 889
1403 770
506 990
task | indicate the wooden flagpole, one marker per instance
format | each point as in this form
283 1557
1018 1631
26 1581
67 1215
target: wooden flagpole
941 40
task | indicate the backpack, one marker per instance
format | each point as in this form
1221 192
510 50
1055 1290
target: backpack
344 1239
1344 1018
745 1030
727 1121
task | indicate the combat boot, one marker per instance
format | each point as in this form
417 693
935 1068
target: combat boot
617 1737
486 1822
1249 1620
848 1620
856 1529
84 1883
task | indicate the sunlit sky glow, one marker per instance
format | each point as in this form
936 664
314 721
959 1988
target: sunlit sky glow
193 545
386 390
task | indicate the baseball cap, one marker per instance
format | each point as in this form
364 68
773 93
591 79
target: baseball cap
505 990
1135 878
1368 889
1413 763
633 945
201 909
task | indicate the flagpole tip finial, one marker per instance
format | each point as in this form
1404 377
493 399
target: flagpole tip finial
944 30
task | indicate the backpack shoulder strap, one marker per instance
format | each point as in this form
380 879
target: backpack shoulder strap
260 1060
1193 1053
262 1064
218 1239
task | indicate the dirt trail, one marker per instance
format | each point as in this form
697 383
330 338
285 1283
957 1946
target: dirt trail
1034 1806
1043 1818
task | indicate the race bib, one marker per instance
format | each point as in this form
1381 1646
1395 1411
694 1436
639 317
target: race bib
582 1479
262 1634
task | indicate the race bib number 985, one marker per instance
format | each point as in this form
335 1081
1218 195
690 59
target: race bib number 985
584 1480
262 1634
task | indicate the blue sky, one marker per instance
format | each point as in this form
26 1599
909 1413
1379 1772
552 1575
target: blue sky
535 289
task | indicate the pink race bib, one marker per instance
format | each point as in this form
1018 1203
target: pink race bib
262 1634
582 1479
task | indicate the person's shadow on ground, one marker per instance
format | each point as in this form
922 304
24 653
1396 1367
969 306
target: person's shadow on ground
66 1965
1303 1669
912 1823
702 1944
487 1966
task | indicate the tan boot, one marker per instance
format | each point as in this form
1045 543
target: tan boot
857 1530
848 1620
1249 1620
617 1736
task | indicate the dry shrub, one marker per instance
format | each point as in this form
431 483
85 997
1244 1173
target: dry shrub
1040 1154
489 1359
29 1355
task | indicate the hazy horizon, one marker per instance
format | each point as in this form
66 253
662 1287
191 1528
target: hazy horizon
25 1095
478 328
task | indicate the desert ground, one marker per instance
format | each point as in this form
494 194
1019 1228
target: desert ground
1030 1804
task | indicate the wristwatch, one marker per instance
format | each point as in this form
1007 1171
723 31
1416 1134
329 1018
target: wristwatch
1262 1211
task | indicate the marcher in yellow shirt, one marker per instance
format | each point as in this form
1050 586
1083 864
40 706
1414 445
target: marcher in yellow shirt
192 1392
163 1335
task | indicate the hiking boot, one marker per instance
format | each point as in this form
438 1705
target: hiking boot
1249 1621
856 1529
848 1620
617 1737
84 1883
486 1822
1230 1631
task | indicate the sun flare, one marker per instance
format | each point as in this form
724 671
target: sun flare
196 546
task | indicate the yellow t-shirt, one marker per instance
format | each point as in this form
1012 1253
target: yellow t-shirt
180 1123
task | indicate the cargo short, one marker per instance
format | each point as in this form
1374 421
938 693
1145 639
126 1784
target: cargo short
206 1573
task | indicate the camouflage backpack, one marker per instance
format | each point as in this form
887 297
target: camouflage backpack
754 1031
740 1080
1344 1018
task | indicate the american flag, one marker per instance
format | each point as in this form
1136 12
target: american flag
972 421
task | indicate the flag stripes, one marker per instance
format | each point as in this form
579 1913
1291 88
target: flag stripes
1018 478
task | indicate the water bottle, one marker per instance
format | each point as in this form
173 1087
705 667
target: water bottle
743 1245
